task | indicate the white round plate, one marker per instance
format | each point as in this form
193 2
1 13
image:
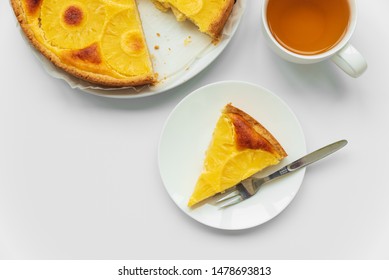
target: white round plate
172 50
187 134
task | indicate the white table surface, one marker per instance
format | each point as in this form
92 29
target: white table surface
79 177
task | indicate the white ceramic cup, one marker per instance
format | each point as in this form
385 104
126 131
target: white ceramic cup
343 54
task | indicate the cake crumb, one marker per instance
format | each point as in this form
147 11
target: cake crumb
159 35
156 47
187 40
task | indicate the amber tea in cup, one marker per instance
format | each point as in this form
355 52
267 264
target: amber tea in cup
308 27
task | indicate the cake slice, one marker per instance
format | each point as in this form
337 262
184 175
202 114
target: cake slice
240 147
209 16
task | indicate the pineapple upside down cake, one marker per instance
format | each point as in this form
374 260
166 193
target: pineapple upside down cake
102 41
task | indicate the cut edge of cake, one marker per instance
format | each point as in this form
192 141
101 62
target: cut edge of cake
214 28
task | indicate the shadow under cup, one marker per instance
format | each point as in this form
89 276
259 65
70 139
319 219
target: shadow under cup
308 27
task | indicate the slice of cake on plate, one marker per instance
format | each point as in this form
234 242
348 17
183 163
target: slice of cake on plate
240 147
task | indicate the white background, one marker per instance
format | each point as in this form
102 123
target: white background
79 177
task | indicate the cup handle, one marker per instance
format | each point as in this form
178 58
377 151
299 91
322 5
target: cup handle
350 61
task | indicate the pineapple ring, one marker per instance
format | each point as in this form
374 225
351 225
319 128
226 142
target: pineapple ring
189 7
132 43
73 16
72 25
124 48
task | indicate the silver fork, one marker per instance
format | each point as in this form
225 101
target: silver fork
250 186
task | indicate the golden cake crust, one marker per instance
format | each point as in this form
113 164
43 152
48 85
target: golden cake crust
95 78
217 26
250 134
